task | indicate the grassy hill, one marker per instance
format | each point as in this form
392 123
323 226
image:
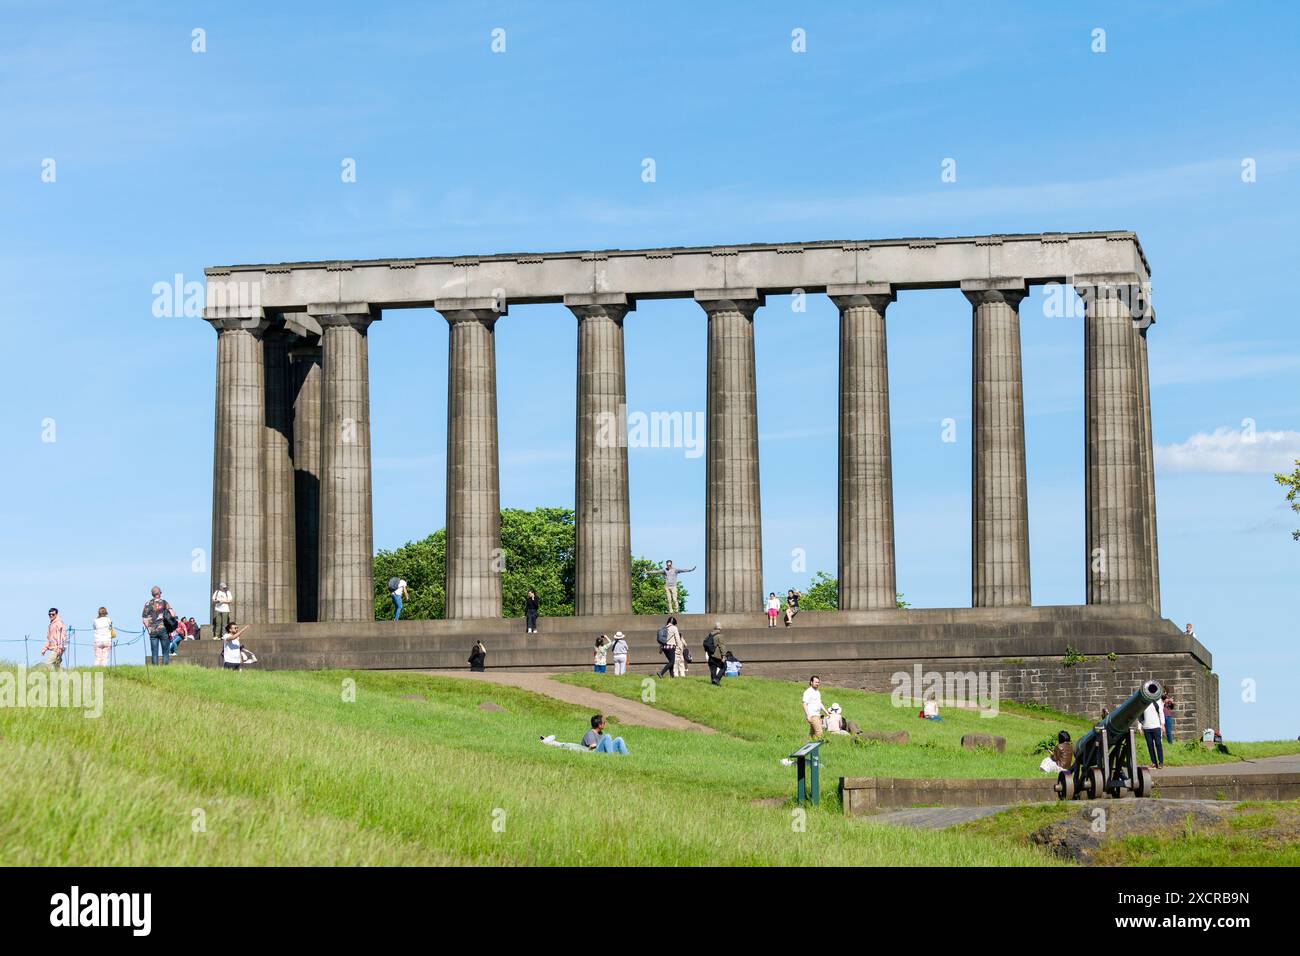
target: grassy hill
197 767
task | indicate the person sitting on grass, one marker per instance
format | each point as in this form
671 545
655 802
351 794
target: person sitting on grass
232 658
1063 752
834 722
930 710
596 739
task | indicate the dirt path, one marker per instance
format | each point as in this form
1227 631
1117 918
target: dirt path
631 712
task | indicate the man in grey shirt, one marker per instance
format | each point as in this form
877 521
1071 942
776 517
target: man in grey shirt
596 739
670 582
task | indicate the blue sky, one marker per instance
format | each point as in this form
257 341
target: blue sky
167 161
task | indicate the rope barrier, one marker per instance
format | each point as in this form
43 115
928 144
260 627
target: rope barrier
136 637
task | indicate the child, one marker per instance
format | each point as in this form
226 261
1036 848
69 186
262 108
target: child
231 653
773 608
599 655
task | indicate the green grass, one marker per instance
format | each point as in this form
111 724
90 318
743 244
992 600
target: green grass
280 769
1256 834
768 711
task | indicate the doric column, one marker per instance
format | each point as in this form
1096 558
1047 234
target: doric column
866 479
238 555
999 490
733 522
1117 571
474 558
305 364
279 516
346 580
603 539
1148 456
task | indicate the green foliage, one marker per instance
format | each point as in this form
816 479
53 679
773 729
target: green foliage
538 549
823 594
537 552
1072 657
1044 746
422 564
1291 483
1112 656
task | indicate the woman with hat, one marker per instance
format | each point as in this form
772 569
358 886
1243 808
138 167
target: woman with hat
619 650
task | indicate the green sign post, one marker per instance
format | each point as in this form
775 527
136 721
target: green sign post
806 758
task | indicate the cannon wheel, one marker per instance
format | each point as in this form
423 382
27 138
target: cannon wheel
1064 786
1142 785
1094 783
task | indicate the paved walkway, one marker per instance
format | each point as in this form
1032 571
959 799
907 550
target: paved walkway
1288 763
631 712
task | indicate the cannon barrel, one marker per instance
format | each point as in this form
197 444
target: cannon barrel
1118 721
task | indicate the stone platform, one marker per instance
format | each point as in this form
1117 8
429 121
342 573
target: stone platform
1024 647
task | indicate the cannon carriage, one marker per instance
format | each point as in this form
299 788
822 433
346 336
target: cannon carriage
1105 758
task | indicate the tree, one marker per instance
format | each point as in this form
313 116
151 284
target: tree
1291 483
823 594
537 552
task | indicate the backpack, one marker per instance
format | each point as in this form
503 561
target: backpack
662 636
393 583
169 619
710 646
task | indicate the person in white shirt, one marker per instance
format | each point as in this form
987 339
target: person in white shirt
399 595
773 608
221 599
619 650
1153 725
103 637
232 653
812 707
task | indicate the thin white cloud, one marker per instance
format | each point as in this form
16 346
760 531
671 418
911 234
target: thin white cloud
1232 450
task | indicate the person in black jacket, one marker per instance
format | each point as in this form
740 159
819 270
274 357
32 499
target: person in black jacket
531 607
478 657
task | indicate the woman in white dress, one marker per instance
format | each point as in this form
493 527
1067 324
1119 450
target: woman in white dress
103 637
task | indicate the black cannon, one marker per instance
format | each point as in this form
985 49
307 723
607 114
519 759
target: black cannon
1105 758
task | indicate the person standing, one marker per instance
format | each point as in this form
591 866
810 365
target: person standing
1188 630
716 648
103 637
156 618
56 639
232 652
670 582
1152 725
531 608
1168 704
619 650
399 593
773 608
599 654
667 642
812 707
478 657
221 600
680 653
